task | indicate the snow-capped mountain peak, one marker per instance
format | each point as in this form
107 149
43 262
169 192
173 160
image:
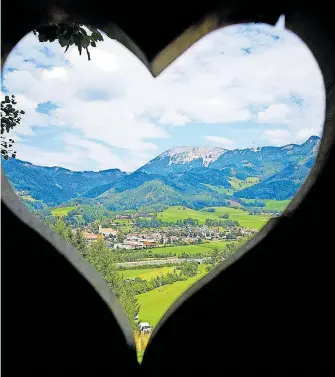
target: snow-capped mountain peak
185 155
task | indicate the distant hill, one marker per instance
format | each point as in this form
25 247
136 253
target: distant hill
54 185
260 162
190 176
182 159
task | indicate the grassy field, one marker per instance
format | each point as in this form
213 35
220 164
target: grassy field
62 211
277 205
156 302
146 273
239 184
191 249
174 213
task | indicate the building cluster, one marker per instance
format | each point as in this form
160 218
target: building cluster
139 238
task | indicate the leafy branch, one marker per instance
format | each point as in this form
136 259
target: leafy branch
69 35
10 117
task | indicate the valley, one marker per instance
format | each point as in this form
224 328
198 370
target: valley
154 232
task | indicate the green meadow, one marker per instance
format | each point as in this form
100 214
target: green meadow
191 249
146 273
62 211
174 213
155 303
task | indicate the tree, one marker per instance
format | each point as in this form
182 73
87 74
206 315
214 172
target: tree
69 34
102 260
189 268
10 118
80 243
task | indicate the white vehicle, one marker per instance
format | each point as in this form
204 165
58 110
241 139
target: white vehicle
145 327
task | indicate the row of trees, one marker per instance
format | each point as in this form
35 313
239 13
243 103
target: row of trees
187 270
149 223
219 255
224 223
188 221
100 257
87 214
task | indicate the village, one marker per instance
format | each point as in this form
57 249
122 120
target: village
138 238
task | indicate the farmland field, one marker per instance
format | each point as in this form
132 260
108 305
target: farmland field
155 303
174 213
146 273
277 205
62 211
274 205
239 184
191 249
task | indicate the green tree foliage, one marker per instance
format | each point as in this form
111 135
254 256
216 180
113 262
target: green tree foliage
86 214
225 216
142 286
224 223
188 221
102 259
189 269
209 209
217 256
149 223
10 118
69 35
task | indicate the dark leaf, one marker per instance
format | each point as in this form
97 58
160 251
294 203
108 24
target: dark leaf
85 43
63 41
76 40
88 54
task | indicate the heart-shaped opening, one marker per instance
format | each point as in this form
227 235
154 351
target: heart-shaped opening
158 181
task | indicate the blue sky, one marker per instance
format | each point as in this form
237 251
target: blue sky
241 86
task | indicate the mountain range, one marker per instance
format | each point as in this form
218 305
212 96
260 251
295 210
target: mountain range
192 176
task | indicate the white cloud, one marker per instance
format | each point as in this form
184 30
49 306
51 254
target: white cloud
79 154
55 73
305 133
275 113
174 118
214 82
220 141
277 137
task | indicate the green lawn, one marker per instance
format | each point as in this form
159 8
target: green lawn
155 303
191 249
146 273
62 211
239 184
174 213
278 205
